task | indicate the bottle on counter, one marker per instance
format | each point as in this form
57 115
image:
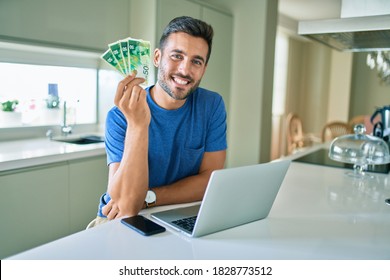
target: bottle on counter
53 100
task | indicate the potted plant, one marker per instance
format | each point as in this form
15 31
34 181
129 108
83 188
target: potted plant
9 106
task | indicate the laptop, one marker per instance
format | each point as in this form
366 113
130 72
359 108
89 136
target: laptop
233 197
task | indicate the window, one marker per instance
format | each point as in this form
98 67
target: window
36 81
278 146
34 95
280 74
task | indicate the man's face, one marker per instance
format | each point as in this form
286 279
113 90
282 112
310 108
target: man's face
181 64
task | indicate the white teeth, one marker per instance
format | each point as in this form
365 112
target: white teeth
181 82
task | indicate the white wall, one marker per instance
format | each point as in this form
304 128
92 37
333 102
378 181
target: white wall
249 132
367 91
318 87
340 86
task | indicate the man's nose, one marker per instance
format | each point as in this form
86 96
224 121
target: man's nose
185 67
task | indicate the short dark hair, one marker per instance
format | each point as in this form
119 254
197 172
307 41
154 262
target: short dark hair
191 26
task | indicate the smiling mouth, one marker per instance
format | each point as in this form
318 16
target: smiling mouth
181 81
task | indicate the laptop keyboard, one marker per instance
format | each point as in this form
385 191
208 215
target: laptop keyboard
186 223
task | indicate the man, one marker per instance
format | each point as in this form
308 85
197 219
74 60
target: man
163 143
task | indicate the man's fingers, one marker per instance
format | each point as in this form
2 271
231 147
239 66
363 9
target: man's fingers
134 82
136 94
122 87
106 209
125 89
110 210
112 214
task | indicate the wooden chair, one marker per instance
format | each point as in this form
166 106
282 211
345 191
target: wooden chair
334 129
295 137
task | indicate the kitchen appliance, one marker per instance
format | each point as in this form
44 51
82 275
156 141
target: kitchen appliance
382 126
364 25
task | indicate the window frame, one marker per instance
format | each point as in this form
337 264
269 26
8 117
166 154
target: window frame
11 52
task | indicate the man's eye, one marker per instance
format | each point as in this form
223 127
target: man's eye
177 56
197 62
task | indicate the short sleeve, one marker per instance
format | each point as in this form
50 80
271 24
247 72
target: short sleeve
115 132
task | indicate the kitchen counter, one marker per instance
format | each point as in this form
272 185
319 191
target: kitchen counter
319 213
40 151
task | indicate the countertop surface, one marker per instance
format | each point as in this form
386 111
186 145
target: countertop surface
38 151
319 213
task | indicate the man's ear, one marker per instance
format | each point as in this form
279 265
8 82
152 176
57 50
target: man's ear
156 57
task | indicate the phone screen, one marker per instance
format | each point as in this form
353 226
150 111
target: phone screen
142 225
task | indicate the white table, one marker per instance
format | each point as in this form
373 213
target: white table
319 213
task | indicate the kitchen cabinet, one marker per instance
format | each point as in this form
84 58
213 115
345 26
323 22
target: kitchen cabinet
87 182
217 77
47 202
218 73
34 207
90 24
169 9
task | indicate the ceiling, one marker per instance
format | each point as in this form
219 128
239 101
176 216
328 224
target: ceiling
310 9
294 9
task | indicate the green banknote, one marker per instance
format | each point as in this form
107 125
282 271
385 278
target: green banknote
125 55
111 60
134 58
117 52
144 59
130 55
140 57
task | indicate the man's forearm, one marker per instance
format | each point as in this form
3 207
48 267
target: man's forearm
129 183
191 188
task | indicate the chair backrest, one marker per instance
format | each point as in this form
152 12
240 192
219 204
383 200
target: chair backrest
334 129
294 132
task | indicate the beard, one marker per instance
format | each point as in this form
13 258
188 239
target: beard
175 92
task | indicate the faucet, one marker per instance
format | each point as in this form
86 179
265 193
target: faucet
65 128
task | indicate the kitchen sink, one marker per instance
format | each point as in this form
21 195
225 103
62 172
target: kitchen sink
81 140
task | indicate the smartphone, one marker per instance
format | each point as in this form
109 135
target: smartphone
142 225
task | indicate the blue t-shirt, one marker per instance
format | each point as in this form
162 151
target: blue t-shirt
177 138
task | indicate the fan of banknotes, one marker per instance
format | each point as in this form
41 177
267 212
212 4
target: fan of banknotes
128 55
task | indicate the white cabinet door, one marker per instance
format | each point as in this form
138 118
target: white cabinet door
218 73
34 207
87 182
169 9
41 204
87 24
